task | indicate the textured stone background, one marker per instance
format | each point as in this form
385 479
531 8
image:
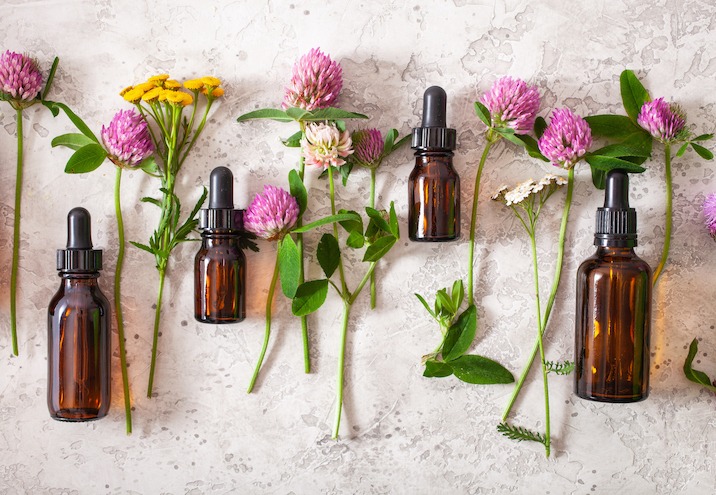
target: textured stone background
401 433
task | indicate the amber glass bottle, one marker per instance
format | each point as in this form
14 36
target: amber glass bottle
434 186
79 324
220 264
613 306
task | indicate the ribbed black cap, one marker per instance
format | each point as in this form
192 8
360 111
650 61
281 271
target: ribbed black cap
79 255
616 221
221 213
433 132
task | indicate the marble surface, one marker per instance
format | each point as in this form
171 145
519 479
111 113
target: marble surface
401 433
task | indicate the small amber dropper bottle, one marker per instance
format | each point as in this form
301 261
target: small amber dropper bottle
613 306
220 264
434 185
79 323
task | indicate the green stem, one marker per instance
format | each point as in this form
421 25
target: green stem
267 333
473 222
157 316
368 274
16 235
669 200
301 276
552 294
372 205
118 299
332 194
540 340
341 370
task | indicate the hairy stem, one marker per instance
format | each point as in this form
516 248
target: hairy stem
669 214
16 235
473 223
539 339
332 194
552 294
157 316
301 276
341 370
372 205
118 300
267 333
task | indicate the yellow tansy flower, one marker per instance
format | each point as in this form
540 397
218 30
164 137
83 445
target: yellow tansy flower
179 98
215 93
172 84
211 81
159 78
152 94
194 84
145 86
163 94
133 95
125 90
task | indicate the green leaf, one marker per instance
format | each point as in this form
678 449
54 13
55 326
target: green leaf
425 303
340 125
345 171
446 302
297 113
694 375
682 149
379 248
520 434
625 149
50 78
149 166
72 141
55 108
329 219
457 294
334 114
634 95
436 369
480 370
265 113
309 297
509 134
377 218
293 141
540 126
703 152
86 159
389 141
328 254
607 163
559 368
483 114
143 247
703 137
599 178
289 266
531 146
153 201
402 141
353 225
463 333
613 126
356 240
394 225
298 191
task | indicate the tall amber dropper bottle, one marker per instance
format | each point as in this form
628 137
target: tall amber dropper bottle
79 323
220 264
613 306
434 186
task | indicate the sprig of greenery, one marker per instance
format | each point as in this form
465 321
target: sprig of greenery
559 368
521 434
693 375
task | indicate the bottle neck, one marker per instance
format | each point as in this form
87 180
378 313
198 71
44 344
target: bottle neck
441 152
615 252
71 280
219 237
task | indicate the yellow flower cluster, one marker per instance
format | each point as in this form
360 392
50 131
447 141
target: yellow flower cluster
162 88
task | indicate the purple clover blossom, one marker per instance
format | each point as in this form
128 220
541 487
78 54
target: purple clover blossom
662 120
710 213
566 139
512 103
20 78
316 82
367 147
127 139
271 215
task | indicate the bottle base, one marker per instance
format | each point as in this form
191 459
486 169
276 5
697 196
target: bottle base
615 399
78 415
218 321
435 239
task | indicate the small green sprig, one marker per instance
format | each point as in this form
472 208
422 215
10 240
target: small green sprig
559 368
521 434
697 376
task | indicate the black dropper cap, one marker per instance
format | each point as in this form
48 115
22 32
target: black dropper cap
79 255
433 133
616 221
221 213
